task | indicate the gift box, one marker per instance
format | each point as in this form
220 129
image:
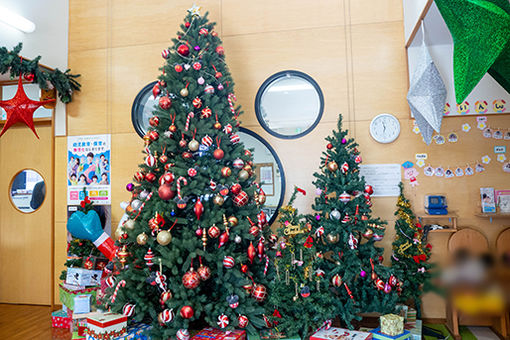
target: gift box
270 334
82 304
411 316
415 329
69 292
376 334
138 331
83 277
334 333
77 336
214 333
60 319
391 324
106 326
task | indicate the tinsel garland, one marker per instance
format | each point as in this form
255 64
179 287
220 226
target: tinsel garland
64 82
404 204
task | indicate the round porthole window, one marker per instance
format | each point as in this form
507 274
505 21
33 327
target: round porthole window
27 190
142 109
289 104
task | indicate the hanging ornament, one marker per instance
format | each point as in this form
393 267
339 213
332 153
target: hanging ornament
241 199
228 262
357 159
344 197
218 200
242 321
21 109
218 153
387 288
251 252
201 81
346 219
333 238
203 31
165 296
128 309
142 239
226 172
228 129
379 284
332 166
213 231
259 292
209 89
233 301
335 214
368 234
212 185
187 312
223 321
393 281
234 138
243 175
183 50
233 221
148 258
154 121
165 102
204 272
166 316
336 280
254 230
198 209
164 237
353 242
345 167
369 189
238 163
165 192
206 113
237 239
139 176
150 160
220 50
197 102
136 204
178 68
122 255
305 291
163 158
363 274
196 66
165 53
182 334
260 247
191 279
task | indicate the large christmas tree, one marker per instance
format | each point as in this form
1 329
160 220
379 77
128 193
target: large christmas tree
410 256
194 248
300 305
351 268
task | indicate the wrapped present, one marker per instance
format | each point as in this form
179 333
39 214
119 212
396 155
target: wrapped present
106 326
82 304
83 277
69 292
334 333
411 316
138 331
392 324
77 336
415 329
60 319
376 334
271 334
214 333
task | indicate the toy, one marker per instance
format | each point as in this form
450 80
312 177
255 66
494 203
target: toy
436 205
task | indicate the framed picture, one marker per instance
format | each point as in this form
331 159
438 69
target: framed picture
503 200
265 175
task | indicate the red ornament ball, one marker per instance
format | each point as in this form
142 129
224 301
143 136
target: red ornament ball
218 154
183 50
153 135
29 77
156 90
204 272
150 177
368 189
187 312
165 192
244 268
242 321
236 188
329 146
241 199
187 24
178 68
379 284
220 50
191 279
165 316
154 121
259 292
197 102
165 296
228 262
165 103
213 231
336 280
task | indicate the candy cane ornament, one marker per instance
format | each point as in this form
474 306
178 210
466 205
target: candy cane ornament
143 205
122 283
180 180
231 99
188 120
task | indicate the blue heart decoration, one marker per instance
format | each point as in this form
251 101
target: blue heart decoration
85 226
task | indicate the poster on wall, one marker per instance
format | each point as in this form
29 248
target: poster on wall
88 166
384 178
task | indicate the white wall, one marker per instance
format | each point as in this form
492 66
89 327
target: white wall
49 40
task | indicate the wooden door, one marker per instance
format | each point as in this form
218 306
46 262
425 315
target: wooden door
26 238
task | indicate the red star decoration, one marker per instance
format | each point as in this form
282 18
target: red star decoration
21 109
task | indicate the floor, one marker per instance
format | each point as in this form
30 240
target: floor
34 322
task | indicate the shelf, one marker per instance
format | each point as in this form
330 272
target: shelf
493 215
450 230
437 217
451 216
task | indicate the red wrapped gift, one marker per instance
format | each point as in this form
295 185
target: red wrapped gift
60 319
214 333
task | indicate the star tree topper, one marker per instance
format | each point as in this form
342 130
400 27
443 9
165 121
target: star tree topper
194 10
20 108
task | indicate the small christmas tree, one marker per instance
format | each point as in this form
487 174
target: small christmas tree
299 304
351 269
410 257
194 249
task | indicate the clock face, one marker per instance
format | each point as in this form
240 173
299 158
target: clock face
385 128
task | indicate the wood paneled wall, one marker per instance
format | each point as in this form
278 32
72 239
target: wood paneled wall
354 49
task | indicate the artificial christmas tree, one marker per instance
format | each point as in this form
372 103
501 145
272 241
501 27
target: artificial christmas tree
410 256
195 249
350 268
299 304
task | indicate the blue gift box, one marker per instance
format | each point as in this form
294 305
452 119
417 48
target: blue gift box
138 331
376 334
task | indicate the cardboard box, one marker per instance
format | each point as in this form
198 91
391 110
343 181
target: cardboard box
340 334
106 326
214 333
376 333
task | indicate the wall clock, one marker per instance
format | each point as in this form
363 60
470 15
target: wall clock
385 128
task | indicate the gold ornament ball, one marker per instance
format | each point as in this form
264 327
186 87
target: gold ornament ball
232 221
243 175
218 200
193 145
129 224
164 237
184 92
142 238
248 168
332 166
333 238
